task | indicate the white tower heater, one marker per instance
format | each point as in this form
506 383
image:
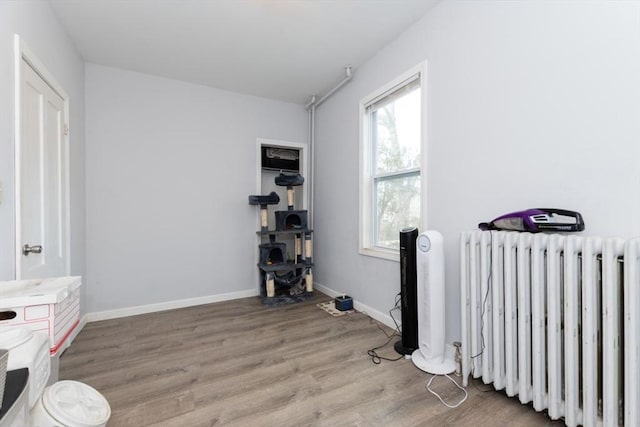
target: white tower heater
432 355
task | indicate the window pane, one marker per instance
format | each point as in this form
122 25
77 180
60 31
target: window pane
396 134
397 206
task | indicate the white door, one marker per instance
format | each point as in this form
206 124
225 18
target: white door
41 175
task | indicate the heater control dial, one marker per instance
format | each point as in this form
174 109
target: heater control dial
424 243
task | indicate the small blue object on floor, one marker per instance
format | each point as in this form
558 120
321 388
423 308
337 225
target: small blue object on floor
344 303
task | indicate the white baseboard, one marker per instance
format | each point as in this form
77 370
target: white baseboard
169 305
363 308
83 322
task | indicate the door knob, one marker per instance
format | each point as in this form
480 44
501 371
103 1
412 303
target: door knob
26 249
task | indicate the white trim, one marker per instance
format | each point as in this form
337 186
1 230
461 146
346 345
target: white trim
424 170
17 77
169 305
363 308
364 204
365 245
397 85
378 252
83 322
22 51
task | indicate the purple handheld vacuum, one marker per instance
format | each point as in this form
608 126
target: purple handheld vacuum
537 220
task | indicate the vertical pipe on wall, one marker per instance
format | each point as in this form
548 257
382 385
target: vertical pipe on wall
311 107
312 163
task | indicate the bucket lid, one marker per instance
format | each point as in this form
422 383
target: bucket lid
11 337
76 404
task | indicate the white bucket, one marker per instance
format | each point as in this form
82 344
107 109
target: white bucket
71 404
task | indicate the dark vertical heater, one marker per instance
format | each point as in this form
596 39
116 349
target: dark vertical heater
408 292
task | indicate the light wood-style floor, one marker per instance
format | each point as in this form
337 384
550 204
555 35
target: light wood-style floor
238 363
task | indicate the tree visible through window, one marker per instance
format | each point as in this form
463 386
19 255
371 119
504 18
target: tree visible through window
391 144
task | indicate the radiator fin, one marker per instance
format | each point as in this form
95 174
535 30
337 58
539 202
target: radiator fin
555 320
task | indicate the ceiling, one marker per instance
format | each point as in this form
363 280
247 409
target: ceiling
279 49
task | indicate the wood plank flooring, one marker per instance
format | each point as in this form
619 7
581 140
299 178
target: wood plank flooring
238 363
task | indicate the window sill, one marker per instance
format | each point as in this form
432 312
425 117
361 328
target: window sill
388 254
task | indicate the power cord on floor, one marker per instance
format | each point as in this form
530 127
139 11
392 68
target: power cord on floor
428 386
376 359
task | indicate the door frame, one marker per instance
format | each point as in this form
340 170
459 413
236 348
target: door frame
22 51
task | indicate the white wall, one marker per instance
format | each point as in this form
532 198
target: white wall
169 168
531 104
38 27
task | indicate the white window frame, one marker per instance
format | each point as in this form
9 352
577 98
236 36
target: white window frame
366 240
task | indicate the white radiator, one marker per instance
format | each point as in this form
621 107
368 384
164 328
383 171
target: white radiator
555 320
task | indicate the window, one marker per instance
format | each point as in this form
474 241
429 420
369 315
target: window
392 151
